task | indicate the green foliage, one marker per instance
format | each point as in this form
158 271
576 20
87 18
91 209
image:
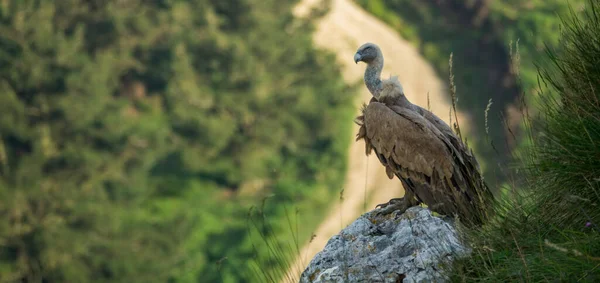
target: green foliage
135 135
534 24
550 232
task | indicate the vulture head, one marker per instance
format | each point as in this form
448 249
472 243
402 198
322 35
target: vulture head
371 54
367 53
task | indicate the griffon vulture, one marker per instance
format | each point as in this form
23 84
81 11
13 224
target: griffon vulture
434 165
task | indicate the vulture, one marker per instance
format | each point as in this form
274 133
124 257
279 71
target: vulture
434 165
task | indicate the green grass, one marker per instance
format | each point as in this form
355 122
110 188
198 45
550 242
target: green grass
549 230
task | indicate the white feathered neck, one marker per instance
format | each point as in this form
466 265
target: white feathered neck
391 88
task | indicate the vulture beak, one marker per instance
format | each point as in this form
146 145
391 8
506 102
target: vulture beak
357 57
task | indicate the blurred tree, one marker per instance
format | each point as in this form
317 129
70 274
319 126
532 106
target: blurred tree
134 135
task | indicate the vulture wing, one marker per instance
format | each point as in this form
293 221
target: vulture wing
427 160
404 138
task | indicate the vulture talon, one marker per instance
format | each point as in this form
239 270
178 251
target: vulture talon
393 201
397 204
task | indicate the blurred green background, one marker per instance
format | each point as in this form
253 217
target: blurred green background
136 135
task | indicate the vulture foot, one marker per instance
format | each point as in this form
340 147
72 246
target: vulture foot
397 204
393 201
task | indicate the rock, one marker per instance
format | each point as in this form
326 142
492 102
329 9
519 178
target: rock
410 247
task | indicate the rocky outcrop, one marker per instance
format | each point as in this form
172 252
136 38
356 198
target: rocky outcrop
409 247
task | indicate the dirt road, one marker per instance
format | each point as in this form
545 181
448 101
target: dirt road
342 31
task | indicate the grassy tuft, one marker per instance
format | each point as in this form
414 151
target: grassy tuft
272 266
548 231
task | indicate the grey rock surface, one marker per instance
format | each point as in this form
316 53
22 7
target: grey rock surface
409 247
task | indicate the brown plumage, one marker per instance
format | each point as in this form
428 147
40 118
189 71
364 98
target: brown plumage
433 164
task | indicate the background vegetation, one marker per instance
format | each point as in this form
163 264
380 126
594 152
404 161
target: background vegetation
135 136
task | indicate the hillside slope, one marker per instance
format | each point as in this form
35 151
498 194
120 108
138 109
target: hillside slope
342 30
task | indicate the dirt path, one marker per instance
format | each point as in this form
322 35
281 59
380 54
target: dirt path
342 31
